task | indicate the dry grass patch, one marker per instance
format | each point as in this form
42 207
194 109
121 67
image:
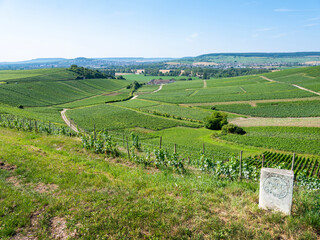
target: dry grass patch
59 229
286 122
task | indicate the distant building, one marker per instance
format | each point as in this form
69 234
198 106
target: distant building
160 81
140 71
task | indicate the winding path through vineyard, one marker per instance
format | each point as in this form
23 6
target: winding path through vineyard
66 120
157 90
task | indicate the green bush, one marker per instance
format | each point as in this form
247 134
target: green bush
230 128
216 121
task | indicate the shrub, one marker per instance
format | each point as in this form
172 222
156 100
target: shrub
230 128
216 121
20 106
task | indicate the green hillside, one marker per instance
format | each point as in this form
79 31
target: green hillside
46 87
50 186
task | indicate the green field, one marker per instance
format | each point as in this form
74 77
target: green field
274 109
53 92
45 93
179 93
36 75
113 117
169 110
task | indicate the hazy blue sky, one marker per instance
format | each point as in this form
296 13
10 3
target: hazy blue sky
155 28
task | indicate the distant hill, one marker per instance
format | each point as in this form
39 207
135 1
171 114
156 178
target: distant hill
217 60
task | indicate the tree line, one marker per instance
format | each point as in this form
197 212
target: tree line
87 73
206 73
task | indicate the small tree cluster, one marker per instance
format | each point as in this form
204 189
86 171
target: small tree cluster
86 73
216 121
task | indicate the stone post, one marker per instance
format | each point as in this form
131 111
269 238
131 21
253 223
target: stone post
276 187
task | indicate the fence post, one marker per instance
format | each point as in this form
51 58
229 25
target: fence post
263 158
94 131
160 142
203 150
35 126
128 148
240 176
293 158
175 148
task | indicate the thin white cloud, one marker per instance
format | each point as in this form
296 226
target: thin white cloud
192 37
123 14
280 35
284 10
311 24
264 29
313 19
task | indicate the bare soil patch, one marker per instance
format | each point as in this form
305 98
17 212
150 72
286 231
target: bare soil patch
7 166
44 188
59 229
29 233
290 122
14 180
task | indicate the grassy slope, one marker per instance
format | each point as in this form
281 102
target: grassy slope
36 75
110 199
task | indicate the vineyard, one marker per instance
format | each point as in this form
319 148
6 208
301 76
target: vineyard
293 139
114 117
219 163
302 165
274 109
20 76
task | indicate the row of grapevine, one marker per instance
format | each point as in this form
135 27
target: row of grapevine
284 161
32 125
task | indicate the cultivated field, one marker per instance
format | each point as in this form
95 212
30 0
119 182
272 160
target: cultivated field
143 165
176 111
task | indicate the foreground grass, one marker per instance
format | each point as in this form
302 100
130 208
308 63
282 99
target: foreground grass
50 187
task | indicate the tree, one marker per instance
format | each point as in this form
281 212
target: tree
216 121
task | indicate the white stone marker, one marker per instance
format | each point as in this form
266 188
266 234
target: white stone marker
276 187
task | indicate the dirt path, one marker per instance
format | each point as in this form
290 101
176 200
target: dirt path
268 79
204 83
290 122
158 89
297 86
305 89
66 120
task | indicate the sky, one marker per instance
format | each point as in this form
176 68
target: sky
155 28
